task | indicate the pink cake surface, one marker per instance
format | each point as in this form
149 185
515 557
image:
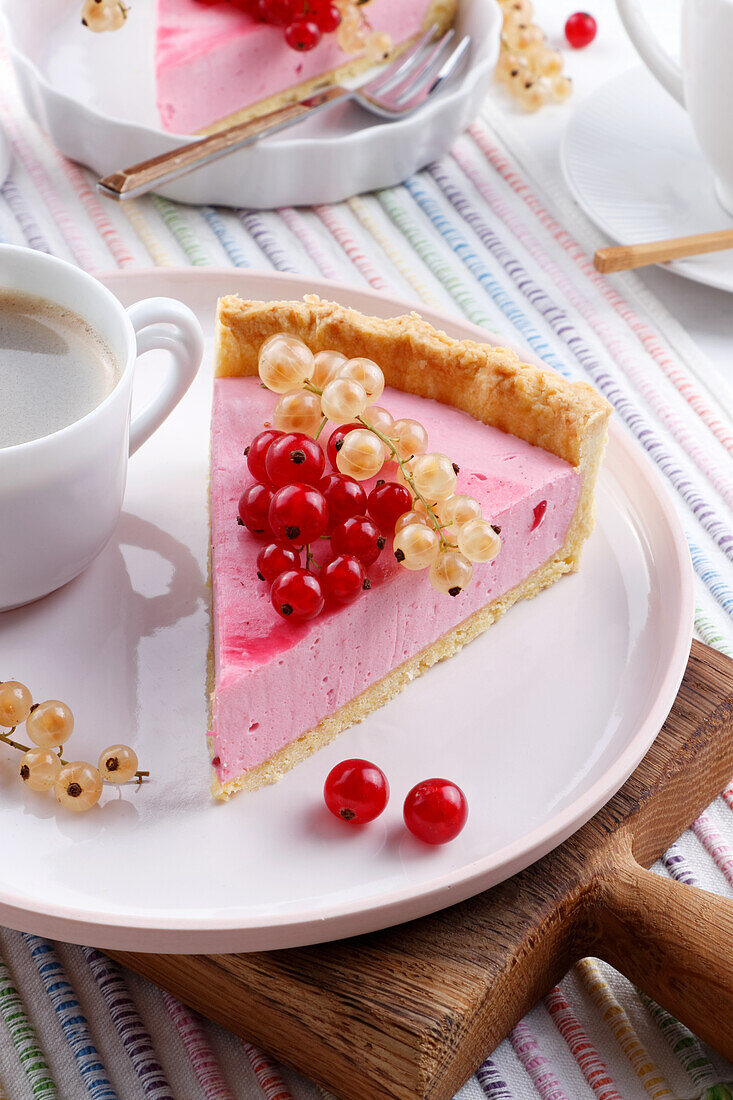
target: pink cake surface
212 59
259 656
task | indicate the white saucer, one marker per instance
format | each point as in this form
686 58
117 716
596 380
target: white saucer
540 720
94 94
632 162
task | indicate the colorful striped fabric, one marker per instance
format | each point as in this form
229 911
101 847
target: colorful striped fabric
480 235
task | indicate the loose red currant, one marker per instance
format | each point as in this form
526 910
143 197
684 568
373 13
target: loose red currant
326 15
344 579
278 12
580 29
344 497
298 513
356 791
257 453
273 560
359 536
387 502
254 508
435 811
294 457
336 439
302 34
297 594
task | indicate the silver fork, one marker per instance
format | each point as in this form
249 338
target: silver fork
395 92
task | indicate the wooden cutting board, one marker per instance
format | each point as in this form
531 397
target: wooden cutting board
409 1013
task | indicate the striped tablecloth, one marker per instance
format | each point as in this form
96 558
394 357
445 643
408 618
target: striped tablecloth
480 233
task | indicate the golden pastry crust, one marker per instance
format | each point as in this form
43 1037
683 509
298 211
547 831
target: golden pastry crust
440 13
569 419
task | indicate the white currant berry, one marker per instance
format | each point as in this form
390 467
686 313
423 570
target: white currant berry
412 517
434 476
343 399
368 374
361 455
285 363
118 764
15 703
78 786
450 572
298 411
50 724
410 438
103 15
459 509
326 367
380 419
39 769
478 540
415 546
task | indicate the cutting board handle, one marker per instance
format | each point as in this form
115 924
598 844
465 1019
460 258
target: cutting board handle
673 941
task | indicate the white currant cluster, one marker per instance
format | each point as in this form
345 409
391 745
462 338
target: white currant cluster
49 725
103 15
531 70
444 531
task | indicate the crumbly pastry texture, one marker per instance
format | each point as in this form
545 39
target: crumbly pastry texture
492 384
440 14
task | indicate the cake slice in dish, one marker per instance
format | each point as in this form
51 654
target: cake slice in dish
528 444
216 64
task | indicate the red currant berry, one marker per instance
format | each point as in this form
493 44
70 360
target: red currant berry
356 791
257 453
344 579
344 496
326 15
298 513
580 29
297 594
278 12
359 536
335 440
252 7
273 560
254 509
302 34
387 502
294 457
435 811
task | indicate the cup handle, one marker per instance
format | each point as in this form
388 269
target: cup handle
167 324
657 60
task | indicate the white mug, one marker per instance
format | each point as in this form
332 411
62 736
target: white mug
704 83
61 495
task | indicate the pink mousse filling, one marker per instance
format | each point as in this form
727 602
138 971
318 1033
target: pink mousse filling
276 679
212 59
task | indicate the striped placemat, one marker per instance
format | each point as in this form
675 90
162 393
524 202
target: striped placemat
484 234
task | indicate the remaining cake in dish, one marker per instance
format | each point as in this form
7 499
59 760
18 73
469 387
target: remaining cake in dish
216 63
528 444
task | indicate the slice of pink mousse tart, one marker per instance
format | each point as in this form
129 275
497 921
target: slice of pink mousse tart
528 445
216 64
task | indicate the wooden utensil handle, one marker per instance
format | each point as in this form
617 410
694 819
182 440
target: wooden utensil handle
128 183
674 942
624 257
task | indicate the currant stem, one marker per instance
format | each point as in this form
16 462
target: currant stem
322 426
393 451
7 739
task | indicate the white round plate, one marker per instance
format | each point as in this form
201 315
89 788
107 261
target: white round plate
540 720
633 164
94 94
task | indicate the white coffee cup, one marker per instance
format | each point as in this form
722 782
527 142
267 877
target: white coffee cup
704 83
61 495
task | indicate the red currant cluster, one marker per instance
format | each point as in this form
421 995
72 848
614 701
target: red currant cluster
304 21
293 502
357 791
